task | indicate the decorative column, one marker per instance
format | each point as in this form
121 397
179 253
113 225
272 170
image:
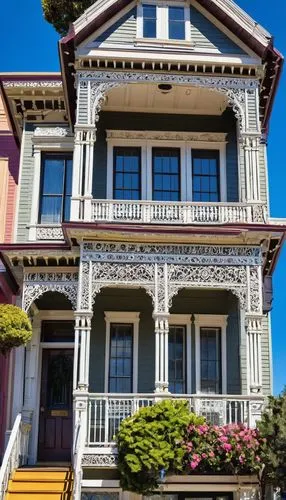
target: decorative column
81 206
250 145
254 332
161 318
253 327
82 350
161 352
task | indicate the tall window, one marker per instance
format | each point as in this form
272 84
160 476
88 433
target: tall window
149 21
121 357
177 338
56 189
177 23
166 174
210 360
127 173
206 182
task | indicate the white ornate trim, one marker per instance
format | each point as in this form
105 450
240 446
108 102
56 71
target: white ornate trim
32 84
99 460
175 254
100 82
49 233
166 136
52 132
36 284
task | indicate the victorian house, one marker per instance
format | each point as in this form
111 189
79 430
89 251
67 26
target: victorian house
144 246
9 166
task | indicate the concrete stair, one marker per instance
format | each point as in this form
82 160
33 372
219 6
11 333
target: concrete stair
43 483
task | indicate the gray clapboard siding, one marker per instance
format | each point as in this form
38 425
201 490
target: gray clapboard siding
26 187
263 175
252 110
145 121
265 356
206 35
121 32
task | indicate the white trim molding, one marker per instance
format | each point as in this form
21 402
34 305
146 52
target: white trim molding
122 317
212 321
184 141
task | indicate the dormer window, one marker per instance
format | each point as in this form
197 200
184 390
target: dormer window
176 23
149 21
163 22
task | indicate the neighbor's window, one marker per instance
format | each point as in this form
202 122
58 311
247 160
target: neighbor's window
176 23
149 21
127 173
206 182
56 189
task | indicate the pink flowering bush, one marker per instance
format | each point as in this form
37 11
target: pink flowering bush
229 449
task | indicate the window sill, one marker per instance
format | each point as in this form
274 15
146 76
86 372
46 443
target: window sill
163 43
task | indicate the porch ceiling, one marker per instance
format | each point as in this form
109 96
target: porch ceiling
177 99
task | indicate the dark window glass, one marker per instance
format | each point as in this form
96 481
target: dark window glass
56 189
166 174
176 23
177 335
127 173
206 183
57 331
211 360
121 358
149 21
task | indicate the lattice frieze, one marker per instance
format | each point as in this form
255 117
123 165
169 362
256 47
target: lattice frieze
99 460
36 284
173 254
103 81
255 290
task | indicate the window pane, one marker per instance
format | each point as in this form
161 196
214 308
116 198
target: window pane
176 23
127 173
166 174
53 176
121 357
205 169
149 21
177 359
56 189
51 210
210 360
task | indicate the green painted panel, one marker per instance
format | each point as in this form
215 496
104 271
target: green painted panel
26 186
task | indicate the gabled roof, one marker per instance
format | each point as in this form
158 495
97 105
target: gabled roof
225 11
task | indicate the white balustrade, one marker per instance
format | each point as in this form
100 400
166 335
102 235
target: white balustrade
16 453
157 212
106 411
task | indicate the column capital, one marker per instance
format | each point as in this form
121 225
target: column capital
161 316
253 323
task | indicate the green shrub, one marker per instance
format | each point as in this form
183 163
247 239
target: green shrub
151 440
15 327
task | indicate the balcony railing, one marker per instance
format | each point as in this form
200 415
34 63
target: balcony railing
106 411
157 212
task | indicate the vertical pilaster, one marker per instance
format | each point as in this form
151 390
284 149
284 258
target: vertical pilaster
254 333
161 352
251 156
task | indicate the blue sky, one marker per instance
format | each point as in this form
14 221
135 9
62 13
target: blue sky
30 44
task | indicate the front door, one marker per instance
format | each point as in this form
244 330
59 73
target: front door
55 426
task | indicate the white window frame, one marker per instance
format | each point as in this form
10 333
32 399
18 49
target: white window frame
162 24
43 145
171 139
185 320
122 317
211 321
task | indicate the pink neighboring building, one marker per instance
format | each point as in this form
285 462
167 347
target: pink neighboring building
9 169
